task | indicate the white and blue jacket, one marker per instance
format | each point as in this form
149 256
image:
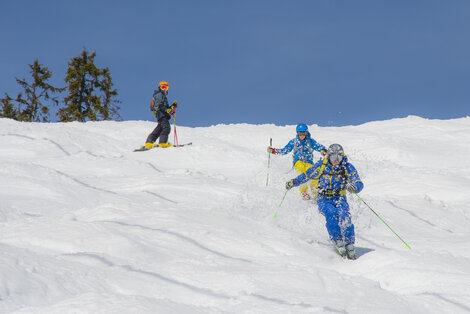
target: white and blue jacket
303 149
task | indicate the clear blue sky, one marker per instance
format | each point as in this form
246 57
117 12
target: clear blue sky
283 62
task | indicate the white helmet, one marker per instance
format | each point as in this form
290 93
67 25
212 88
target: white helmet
335 153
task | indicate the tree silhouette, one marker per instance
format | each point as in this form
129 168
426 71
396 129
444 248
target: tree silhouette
32 103
90 91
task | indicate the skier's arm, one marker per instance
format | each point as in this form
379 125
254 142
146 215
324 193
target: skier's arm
287 149
354 177
317 146
311 172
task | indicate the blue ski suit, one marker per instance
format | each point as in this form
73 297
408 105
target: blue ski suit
331 200
303 149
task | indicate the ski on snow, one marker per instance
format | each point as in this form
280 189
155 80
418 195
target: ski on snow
143 148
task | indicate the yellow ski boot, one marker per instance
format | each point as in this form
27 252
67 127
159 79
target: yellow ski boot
149 145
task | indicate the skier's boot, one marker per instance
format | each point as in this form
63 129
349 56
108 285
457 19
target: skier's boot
165 145
149 145
351 251
342 251
306 196
314 195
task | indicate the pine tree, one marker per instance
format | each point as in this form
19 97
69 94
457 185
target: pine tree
8 108
91 96
31 107
109 107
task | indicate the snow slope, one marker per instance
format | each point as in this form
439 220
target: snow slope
88 226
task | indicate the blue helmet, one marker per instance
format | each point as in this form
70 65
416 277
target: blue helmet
301 128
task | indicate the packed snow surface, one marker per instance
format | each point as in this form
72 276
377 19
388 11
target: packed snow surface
89 226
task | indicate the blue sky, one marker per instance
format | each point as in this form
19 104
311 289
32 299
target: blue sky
328 62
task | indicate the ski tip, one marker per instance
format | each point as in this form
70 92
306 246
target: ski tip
141 149
185 144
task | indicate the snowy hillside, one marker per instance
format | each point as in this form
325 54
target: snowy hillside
88 226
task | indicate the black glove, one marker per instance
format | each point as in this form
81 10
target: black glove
351 188
289 184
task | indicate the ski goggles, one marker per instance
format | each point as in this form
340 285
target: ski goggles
164 87
336 157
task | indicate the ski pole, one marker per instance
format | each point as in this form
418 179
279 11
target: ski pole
274 216
383 221
269 160
175 135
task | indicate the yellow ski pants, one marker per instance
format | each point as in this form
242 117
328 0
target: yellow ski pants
302 167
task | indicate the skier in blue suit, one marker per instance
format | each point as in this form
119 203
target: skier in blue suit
335 176
303 146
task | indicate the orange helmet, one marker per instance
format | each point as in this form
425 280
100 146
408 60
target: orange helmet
163 85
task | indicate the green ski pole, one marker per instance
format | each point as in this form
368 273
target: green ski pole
383 221
274 216
269 160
